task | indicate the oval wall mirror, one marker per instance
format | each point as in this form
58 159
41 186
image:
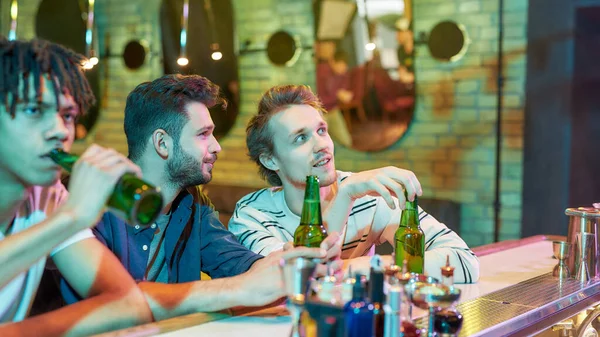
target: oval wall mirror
210 26
61 21
365 70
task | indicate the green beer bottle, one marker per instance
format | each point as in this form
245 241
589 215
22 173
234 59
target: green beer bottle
310 232
133 199
410 239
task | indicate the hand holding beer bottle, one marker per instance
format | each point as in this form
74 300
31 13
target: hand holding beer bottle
133 199
410 239
310 232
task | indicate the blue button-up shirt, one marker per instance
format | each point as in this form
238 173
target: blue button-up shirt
195 241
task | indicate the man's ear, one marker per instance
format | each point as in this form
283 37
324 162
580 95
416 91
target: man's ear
268 162
162 143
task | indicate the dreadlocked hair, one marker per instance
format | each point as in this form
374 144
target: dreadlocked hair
30 60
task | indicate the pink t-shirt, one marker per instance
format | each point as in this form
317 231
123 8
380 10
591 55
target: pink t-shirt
18 295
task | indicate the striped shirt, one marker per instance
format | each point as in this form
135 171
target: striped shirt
263 223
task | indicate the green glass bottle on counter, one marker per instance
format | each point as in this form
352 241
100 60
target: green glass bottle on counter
410 239
310 232
133 199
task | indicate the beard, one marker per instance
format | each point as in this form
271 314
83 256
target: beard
185 171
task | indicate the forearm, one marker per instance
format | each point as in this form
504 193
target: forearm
102 313
21 250
335 215
170 300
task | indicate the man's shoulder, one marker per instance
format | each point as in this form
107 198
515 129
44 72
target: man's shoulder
265 196
342 175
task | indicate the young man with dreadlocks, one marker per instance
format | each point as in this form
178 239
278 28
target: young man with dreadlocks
43 90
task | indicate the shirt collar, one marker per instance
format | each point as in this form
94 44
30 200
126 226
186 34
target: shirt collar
182 203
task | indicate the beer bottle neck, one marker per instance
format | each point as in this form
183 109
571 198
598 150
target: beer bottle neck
64 159
410 215
412 205
311 210
311 213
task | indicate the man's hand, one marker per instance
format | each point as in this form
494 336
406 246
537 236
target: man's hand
386 182
596 205
92 181
331 247
263 284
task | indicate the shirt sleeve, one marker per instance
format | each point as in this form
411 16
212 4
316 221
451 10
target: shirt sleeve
84 234
249 225
62 195
222 255
440 241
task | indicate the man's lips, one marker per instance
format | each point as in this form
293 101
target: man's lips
323 161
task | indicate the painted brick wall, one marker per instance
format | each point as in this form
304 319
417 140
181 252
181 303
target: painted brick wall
451 143
255 21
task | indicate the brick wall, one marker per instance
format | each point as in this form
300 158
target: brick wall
451 143
255 21
117 23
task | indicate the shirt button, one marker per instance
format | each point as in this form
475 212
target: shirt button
145 247
137 226
153 226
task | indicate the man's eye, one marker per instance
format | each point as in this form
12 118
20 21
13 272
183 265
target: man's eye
299 138
69 117
32 110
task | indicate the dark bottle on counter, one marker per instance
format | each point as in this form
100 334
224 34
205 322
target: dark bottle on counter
410 239
358 313
376 295
133 199
310 232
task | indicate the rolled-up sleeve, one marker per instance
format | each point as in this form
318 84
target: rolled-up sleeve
221 254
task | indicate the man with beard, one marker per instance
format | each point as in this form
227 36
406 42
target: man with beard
288 139
170 137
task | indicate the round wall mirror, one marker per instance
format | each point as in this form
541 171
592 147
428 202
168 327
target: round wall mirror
282 49
448 41
364 56
210 26
61 21
134 54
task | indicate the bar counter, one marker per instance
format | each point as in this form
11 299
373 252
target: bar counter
516 296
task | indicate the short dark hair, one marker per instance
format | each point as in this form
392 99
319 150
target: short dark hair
259 139
29 60
161 104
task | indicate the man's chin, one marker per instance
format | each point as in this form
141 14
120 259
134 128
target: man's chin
44 179
327 178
